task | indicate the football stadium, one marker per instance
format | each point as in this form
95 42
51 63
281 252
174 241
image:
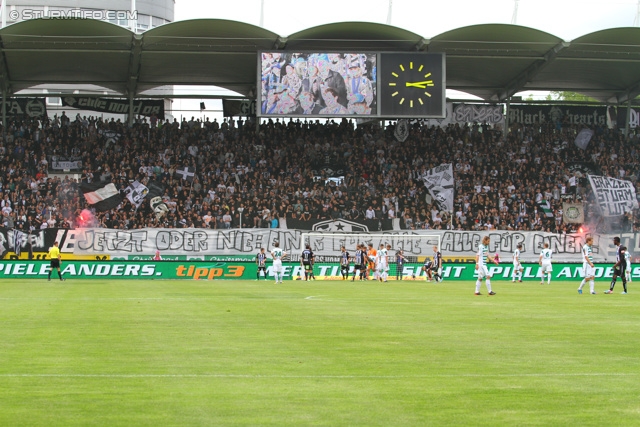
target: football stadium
342 242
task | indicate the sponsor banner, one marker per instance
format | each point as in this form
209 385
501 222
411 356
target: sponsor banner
204 270
222 258
60 165
65 257
31 107
558 114
143 107
573 213
239 108
615 197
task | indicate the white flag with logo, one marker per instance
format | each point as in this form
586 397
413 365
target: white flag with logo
401 131
440 183
573 213
136 192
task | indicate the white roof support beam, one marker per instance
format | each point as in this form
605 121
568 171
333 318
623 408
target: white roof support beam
516 85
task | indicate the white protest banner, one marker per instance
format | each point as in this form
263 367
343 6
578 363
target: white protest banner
615 197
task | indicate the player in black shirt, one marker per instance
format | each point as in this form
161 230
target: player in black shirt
344 263
261 262
307 262
428 268
400 260
619 268
437 264
358 263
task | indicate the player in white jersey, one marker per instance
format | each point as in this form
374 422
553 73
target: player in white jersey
383 263
588 267
482 257
545 263
277 254
517 266
627 272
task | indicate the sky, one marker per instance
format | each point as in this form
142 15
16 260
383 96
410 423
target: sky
567 19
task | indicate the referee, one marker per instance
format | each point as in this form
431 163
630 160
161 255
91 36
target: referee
54 256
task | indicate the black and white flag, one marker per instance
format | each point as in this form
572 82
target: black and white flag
156 203
101 195
615 197
136 192
401 131
186 173
17 241
440 183
583 138
110 137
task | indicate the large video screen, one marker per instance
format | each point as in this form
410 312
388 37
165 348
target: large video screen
318 84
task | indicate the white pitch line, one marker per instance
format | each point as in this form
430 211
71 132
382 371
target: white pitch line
107 299
391 377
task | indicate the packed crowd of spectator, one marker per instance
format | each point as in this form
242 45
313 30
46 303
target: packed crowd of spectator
291 170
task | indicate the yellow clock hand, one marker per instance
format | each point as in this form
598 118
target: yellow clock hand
420 85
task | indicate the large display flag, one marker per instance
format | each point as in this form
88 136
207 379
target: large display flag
439 181
615 197
101 195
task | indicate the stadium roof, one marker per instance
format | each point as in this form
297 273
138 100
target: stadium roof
491 61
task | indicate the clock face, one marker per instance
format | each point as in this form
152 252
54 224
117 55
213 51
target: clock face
412 85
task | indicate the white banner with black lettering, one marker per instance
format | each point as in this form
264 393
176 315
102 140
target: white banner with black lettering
615 197
61 165
199 243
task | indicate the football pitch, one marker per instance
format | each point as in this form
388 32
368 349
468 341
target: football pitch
322 353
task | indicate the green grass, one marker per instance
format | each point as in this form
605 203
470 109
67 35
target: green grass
175 353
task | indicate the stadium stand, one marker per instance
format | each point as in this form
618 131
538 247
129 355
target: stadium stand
283 171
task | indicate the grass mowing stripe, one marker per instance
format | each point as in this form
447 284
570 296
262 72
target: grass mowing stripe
586 374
